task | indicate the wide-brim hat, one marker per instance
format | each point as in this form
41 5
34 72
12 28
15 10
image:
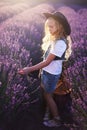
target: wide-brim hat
62 19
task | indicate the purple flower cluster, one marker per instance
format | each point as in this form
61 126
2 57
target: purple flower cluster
76 71
20 40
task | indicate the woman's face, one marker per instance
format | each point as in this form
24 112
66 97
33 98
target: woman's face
52 26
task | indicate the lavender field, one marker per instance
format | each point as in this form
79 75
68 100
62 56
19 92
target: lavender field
21 33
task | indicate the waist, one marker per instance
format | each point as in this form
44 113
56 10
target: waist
55 67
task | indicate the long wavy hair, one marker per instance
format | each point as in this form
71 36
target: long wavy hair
60 33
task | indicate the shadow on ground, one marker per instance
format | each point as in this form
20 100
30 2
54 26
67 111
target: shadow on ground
29 119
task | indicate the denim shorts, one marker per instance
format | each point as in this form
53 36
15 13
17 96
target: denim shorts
49 81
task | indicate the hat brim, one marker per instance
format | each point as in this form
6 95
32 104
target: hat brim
48 15
60 18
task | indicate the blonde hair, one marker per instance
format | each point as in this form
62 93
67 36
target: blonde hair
69 47
48 38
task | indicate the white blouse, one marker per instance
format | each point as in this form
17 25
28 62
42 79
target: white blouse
55 67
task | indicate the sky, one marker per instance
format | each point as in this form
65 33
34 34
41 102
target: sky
71 3
62 1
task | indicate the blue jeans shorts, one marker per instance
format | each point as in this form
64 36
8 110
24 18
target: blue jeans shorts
49 81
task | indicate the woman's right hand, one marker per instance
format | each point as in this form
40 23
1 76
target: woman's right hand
24 71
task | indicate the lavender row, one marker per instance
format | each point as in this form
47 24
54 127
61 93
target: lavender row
20 41
8 11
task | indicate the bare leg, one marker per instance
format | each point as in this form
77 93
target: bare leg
53 109
51 104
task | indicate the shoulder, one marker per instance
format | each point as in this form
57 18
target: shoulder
60 43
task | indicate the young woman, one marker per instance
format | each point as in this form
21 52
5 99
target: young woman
56 47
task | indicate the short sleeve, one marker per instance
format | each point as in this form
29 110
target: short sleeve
59 48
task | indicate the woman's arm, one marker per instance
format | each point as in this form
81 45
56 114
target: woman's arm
38 66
